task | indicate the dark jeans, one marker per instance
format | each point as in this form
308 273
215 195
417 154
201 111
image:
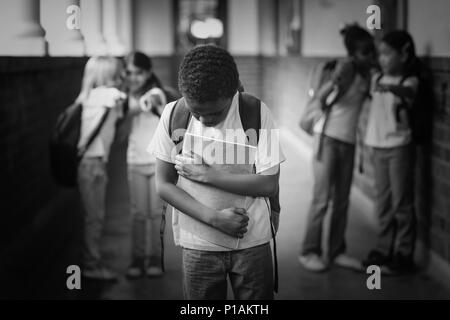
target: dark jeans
250 272
333 175
394 199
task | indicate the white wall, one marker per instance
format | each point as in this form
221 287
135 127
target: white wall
243 27
321 22
429 24
153 27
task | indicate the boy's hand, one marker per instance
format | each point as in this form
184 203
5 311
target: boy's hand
193 169
232 221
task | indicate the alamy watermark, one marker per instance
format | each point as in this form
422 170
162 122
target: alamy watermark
374 280
74 279
374 20
73 21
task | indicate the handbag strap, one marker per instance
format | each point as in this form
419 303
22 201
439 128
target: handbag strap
327 110
94 134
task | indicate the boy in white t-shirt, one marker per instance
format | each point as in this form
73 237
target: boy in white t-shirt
209 81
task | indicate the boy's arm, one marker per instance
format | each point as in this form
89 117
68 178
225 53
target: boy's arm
254 185
232 221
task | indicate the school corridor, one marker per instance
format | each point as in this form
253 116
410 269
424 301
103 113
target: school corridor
37 264
44 46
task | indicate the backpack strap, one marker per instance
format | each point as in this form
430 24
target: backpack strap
94 134
250 113
179 119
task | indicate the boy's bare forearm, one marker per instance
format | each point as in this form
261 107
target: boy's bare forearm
254 185
181 200
232 221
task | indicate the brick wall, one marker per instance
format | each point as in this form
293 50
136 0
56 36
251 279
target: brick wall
34 91
438 214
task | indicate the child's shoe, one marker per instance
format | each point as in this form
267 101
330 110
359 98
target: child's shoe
137 268
345 261
312 262
154 268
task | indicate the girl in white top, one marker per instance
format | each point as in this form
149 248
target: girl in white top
335 143
99 94
389 134
145 103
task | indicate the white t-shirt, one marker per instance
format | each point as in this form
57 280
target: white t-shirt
143 127
267 157
94 108
384 130
343 118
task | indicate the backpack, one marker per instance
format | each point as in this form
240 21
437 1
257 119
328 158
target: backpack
64 153
250 113
315 109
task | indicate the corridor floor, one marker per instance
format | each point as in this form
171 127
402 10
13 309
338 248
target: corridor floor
294 282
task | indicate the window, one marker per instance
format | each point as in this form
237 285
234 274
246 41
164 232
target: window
199 22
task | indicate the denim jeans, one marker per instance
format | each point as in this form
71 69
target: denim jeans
394 199
333 175
250 272
146 211
92 180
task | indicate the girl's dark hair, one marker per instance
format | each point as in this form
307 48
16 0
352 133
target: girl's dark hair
353 34
142 61
402 42
139 60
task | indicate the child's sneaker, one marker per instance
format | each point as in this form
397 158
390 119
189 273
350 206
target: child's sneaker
312 262
137 268
345 261
100 273
154 268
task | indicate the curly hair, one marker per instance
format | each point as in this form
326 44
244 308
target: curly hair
208 73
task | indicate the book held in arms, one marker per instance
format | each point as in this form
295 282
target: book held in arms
229 157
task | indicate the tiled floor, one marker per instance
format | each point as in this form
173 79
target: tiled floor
45 276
